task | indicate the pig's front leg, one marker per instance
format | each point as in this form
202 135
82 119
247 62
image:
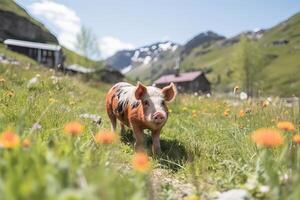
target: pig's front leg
139 138
156 142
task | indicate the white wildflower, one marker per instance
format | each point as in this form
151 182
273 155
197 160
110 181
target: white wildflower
36 126
243 96
33 82
264 189
234 194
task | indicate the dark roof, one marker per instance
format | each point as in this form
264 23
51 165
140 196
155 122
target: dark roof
34 45
182 77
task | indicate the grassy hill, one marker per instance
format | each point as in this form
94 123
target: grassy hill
71 56
205 143
281 74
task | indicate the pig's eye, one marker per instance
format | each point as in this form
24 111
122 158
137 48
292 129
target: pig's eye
163 103
146 103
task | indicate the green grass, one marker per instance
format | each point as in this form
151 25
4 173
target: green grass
74 58
200 145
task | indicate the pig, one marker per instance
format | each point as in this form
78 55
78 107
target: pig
140 107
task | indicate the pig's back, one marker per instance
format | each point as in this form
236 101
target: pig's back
123 96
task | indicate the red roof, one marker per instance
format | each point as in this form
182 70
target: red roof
183 77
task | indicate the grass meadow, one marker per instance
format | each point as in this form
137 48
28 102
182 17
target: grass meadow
208 144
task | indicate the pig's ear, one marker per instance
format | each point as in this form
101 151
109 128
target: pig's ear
169 92
140 91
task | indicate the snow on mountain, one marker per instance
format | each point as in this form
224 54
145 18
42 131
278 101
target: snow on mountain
126 60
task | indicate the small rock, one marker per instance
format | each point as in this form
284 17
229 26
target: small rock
95 118
36 126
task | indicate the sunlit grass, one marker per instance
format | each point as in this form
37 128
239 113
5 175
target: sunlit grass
67 156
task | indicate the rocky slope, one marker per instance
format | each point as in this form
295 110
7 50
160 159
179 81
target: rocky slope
17 24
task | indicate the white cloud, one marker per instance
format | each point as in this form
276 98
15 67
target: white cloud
109 45
67 25
64 19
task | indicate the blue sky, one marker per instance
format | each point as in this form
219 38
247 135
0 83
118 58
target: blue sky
132 23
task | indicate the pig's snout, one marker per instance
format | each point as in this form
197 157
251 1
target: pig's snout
158 117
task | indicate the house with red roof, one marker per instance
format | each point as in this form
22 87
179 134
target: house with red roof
187 82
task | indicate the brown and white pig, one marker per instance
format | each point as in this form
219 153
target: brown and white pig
140 107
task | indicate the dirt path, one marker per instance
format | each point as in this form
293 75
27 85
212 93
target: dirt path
166 186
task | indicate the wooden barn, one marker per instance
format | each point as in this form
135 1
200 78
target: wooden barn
186 82
47 54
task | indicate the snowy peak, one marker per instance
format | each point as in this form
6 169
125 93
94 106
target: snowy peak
126 59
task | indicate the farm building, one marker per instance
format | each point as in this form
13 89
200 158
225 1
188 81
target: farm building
47 54
186 82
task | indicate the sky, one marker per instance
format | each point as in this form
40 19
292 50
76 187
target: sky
128 24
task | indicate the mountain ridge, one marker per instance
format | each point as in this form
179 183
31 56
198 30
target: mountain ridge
140 56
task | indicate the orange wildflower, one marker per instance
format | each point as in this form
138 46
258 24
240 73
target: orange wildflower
140 162
285 125
9 140
296 138
226 113
2 80
267 137
242 113
26 143
10 94
105 137
73 128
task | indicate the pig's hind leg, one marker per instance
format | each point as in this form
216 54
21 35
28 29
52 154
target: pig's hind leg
112 117
113 122
123 130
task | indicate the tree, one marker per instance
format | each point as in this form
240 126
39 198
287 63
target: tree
248 63
87 44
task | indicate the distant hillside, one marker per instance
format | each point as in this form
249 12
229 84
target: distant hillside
202 39
73 57
165 63
280 46
214 54
16 23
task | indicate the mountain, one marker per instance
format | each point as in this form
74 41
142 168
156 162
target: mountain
127 60
16 23
279 46
205 38
166 61
214 54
